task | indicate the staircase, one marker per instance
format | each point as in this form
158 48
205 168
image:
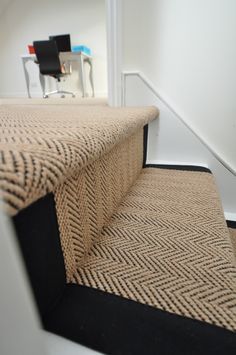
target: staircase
123 257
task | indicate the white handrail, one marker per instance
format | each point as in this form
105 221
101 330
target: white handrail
149 84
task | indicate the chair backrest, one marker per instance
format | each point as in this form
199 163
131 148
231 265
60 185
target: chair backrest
63 42
48 57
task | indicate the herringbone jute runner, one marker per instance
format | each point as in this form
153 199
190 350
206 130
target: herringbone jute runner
155 236
232 233
168 246
43 145
86 201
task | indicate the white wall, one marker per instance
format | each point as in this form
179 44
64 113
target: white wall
4 5
22 22
187 49
171 142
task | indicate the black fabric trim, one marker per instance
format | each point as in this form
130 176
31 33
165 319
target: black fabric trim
38 235
145 140
179 167
102 321
231 224
115 325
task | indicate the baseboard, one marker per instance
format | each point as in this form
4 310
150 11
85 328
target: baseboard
230 216
162 100
171 141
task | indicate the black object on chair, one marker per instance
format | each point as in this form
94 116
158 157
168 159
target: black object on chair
63 42
49 64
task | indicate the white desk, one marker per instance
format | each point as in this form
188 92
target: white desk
79 57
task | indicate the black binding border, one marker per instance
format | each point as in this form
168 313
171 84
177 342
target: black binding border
231 224
145 140
179 167
115 325
105 322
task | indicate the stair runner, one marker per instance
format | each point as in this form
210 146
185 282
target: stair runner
152 236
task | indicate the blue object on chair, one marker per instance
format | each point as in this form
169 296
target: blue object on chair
81 48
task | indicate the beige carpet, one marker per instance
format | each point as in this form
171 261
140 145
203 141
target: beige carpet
43 145
87 200
232 232
156 236
168 246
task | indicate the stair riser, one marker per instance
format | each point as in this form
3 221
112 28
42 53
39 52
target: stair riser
87 200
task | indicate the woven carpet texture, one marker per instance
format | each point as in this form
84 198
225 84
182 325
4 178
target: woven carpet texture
232 232
86 201
168 246
155 236
43 145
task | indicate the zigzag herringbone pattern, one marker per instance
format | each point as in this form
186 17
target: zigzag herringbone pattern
232 233
41 146
168 246
86 201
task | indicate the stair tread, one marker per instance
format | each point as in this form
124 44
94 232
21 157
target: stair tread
168 246
41 145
